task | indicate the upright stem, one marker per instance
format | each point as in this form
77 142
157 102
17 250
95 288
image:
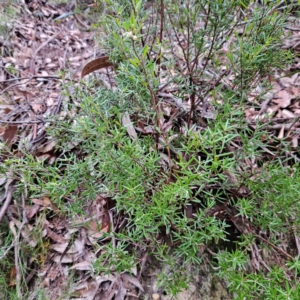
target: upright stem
161 32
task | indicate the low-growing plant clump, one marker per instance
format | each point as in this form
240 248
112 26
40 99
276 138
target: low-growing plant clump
178 141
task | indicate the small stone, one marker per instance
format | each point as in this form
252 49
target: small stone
155 296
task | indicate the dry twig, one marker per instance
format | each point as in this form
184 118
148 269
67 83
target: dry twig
9 195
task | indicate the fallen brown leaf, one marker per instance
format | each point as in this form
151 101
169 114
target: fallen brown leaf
55 237
9 135
60 247
96 64
132 279
283 98
129 127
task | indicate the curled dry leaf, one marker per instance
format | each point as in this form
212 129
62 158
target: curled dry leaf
96 64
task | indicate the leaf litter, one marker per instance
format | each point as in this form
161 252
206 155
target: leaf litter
32 92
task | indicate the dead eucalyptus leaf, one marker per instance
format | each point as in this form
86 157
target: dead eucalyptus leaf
287 114
83 266
55 237
129 127
60 247
96 64
283 98
9 135
48 147
132 279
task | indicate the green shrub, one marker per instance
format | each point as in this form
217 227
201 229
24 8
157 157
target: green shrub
208 160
